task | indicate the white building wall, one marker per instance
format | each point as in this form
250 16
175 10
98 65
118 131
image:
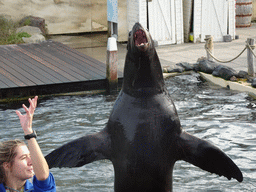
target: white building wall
165 19
132 13
232 18
162 21
179 22
197 20
215 17
136 12
143 13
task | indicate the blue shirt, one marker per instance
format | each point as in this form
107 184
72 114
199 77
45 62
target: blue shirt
47 185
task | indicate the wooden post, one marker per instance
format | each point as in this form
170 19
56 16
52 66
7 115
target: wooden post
209 46
112 61
250 58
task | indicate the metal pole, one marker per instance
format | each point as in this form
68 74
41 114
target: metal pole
250 58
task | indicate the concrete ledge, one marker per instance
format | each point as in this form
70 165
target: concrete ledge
167 75
237 86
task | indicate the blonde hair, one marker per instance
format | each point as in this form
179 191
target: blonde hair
7 154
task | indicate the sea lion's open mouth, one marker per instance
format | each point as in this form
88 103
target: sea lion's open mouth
140 38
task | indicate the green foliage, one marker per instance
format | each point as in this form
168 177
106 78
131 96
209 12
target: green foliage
16 38
27 22
8 33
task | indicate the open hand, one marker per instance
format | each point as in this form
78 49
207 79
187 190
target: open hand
26 120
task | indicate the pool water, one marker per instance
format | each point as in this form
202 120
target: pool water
224 117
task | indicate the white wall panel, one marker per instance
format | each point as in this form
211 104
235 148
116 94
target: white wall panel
231 18
179 22
197 20
213 17
165 19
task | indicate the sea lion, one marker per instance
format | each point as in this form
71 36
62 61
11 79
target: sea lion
143 137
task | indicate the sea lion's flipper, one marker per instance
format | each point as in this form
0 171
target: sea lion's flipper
80 151
207 156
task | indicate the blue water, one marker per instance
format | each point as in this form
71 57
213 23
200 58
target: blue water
221 116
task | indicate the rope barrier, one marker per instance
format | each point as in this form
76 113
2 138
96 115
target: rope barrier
251 47
224 61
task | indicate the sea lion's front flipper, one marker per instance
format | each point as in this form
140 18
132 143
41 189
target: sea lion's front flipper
80 151
207 156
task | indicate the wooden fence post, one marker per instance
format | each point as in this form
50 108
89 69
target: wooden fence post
250 58
209 46
112 61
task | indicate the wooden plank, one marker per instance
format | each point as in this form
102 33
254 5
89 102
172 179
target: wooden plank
23 80
49 72
33 68
10 78
2 84
99 66
6 82
21 73
91 72
62 75
77 60
74 51
58 62
47 68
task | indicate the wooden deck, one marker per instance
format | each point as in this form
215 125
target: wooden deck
48 68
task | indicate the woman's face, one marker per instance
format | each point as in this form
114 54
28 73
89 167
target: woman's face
22 166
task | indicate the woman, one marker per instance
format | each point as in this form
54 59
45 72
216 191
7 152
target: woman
19 163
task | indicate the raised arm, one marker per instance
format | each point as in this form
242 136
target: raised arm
39 163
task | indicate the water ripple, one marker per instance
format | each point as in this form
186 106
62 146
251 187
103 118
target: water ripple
221 116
